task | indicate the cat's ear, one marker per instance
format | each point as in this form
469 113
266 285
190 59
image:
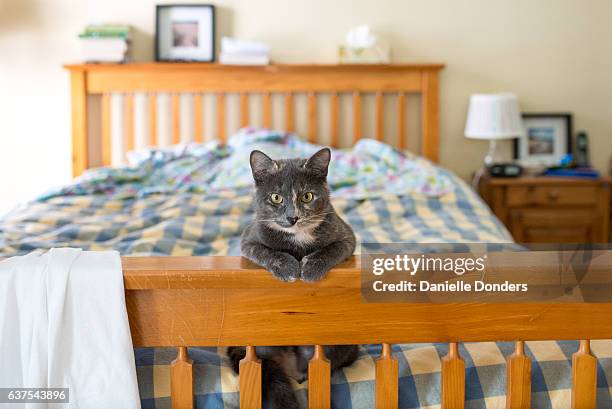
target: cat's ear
261 164
319 162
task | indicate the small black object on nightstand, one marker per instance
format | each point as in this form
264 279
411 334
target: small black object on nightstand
505 170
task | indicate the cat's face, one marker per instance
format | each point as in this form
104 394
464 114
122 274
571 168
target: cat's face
291 194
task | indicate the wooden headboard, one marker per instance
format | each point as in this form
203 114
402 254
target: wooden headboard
152 79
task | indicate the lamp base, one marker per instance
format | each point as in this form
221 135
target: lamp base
492 156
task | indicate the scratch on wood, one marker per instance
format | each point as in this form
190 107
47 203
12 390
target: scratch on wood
222 316
539 314
298 313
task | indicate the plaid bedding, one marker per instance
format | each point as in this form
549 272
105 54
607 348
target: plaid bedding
216 387
192 222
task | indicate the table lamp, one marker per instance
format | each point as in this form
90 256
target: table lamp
493 117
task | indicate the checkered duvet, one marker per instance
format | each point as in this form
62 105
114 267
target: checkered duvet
196 223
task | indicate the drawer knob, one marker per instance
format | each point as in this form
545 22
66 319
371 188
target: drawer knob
553 195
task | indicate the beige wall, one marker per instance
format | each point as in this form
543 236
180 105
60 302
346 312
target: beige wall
555 54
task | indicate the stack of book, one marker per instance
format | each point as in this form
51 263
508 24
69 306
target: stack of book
238 52
106 43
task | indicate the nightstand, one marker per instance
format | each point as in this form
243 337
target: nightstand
550 210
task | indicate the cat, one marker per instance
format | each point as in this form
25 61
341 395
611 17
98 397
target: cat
296 234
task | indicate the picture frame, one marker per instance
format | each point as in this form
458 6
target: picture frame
185 32
546 140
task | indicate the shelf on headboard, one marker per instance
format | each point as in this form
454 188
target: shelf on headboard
212 66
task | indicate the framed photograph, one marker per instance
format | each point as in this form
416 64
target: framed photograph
185 32
547 138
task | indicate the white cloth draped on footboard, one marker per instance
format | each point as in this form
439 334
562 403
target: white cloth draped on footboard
63 324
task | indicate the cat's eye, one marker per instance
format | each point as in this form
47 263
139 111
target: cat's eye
276 198
307 197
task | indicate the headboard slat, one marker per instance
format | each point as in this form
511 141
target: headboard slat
152 119
221 118
334 120
357 119
401 121
176 118
128 115
312 117
244 109
289 113
430 117
267 110
106 130
380 116
198 118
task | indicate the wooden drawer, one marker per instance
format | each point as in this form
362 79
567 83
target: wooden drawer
551 195
559 226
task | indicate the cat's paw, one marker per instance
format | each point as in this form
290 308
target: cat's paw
313 269
284 267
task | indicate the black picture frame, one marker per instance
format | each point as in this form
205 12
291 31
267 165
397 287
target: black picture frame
566 116
158 10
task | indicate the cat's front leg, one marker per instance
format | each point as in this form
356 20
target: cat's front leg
282 265
316 265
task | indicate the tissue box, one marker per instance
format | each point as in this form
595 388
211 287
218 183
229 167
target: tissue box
376 54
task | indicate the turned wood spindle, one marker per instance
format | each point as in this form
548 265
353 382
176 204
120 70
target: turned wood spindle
518 379
181 380
453 379
584 377
249 374
387 378
319 380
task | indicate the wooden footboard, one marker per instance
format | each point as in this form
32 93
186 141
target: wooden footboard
223 301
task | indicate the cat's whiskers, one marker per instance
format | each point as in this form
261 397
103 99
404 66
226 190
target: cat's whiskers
316 217
265 220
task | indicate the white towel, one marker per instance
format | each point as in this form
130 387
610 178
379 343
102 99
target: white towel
63 324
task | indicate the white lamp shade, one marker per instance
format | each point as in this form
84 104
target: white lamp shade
494 116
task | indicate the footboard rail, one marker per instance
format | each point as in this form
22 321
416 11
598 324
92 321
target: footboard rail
224 301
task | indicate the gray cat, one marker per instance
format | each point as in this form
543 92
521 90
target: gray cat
296 234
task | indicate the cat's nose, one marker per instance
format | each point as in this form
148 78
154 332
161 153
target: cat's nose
292 220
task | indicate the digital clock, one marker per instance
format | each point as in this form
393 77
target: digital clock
505 170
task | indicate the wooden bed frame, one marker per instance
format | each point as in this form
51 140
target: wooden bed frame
221 301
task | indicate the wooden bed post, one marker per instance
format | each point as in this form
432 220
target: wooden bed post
430 119
80 149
